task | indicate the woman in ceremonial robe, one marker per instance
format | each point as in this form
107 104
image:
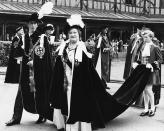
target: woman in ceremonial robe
78 93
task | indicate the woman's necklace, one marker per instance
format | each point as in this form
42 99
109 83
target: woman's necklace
71 51
72 47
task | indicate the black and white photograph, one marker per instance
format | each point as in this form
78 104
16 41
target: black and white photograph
82 65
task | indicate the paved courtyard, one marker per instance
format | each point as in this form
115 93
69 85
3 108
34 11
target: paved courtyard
127 121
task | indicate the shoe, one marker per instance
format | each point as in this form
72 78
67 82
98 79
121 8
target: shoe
12 122
152 112
62 129
144 113
41 120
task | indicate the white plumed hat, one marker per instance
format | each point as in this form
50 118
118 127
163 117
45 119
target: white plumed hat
76 19
148 32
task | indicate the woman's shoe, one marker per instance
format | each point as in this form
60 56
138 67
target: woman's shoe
61 129
41 120
144 113
152 112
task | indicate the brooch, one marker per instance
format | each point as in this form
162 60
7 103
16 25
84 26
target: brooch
39 51
76 62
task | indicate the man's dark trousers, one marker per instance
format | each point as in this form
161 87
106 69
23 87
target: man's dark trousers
18 106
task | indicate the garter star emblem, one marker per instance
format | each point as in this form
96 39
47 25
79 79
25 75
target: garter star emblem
39 51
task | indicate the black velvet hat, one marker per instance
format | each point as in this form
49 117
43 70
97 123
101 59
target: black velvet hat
34 17
68 28
19 28
45 9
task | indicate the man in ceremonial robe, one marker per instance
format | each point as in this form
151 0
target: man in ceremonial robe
26 91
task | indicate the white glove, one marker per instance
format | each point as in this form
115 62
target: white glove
19 59
148 65
134 65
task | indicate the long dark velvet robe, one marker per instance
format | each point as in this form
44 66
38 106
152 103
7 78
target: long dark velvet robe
13 68
27 95
89 100
42 75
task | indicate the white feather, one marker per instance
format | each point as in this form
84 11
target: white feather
75 19
45 9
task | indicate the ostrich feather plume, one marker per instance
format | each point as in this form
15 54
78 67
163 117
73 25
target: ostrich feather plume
45 9
75 19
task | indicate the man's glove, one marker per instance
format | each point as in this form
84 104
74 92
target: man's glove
134 65
148 65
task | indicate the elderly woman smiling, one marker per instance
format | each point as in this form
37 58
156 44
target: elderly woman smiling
71 89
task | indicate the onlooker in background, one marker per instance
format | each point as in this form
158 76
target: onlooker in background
13 68
150 55
103 55
120 46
